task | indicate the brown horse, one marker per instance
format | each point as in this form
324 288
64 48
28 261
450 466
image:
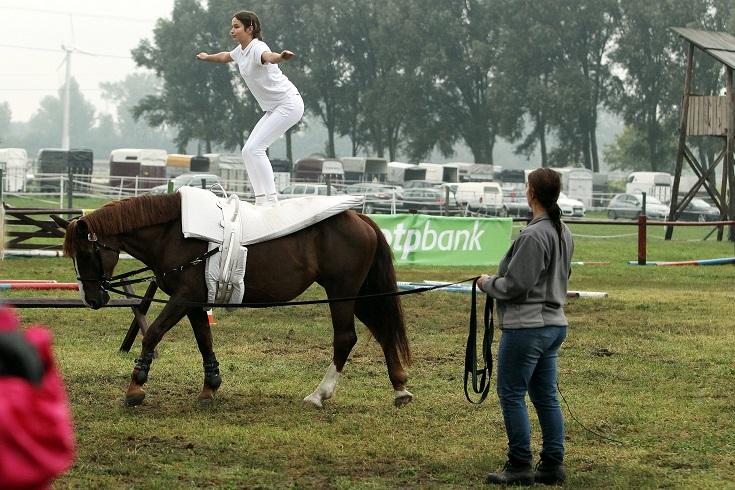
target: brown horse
346 254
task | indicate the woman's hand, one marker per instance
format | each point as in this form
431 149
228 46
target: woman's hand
287 55
202 56
484 279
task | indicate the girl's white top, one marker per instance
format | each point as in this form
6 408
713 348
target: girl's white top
268 84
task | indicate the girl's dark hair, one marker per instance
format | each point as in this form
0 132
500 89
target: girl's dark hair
546 186
248 19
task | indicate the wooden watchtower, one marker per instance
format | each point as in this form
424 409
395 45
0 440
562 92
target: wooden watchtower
707 116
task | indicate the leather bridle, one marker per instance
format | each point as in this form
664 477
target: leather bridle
97 246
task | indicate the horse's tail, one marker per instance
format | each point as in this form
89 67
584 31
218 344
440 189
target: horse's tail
383 315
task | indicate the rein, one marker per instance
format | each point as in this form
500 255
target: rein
111 288
108 283
481 387
115 281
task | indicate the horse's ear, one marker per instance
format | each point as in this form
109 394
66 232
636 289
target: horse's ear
63 224
82 228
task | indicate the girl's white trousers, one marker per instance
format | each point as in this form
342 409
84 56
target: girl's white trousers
271 126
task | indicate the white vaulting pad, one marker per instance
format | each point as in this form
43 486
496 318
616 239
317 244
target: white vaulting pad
202 218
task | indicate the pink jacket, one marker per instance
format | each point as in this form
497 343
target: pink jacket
36 433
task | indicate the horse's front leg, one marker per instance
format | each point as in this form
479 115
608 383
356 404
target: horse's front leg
203 334
170 316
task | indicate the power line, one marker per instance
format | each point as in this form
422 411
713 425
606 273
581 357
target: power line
32 48
79 14
45 89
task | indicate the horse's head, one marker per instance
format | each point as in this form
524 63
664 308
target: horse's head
94 259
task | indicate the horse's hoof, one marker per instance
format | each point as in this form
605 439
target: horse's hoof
205 403
313 401
134 400
404 398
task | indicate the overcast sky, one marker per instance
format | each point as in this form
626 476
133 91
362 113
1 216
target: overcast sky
33 31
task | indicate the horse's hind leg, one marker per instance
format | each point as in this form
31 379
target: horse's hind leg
367 314
203 335
343 322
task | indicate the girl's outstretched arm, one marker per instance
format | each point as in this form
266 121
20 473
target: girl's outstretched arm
271 57
223 57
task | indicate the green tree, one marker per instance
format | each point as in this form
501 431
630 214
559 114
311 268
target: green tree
555 61
533 51
365 85
624 153
104 136
391 74
44 127
650 60
309 29
584 77
463 61
126 94
200 100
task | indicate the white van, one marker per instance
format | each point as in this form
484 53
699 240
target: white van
14 163
656 184
486 197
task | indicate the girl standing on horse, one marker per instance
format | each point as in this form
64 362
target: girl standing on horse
275 93
530 289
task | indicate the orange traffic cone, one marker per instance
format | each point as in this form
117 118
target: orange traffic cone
210 318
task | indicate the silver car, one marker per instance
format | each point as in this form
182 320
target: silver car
631 206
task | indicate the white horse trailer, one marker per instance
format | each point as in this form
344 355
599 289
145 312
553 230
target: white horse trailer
14 163
656 184
576 183
128 163
482 172
434 172
462 169
231 168
365 169
399 173
441 172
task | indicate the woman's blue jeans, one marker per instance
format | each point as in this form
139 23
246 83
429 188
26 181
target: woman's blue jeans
527 363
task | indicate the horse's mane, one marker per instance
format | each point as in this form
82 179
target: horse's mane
122 216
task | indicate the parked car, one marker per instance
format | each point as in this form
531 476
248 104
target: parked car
570 207
699 210
519 209
307 189
426 201
514 194
193 180
630 206
378 197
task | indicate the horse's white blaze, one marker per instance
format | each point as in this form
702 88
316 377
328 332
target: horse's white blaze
81 286
326 388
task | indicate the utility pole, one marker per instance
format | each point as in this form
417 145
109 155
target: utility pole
65 121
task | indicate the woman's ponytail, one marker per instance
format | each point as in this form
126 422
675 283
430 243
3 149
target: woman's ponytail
554 212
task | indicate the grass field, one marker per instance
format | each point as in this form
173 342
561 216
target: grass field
651 366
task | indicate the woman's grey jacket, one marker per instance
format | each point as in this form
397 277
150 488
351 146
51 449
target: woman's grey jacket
531 284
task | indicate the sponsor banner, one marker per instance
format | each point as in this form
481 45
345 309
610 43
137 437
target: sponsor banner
418 239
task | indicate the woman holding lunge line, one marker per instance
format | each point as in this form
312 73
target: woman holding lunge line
275 94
